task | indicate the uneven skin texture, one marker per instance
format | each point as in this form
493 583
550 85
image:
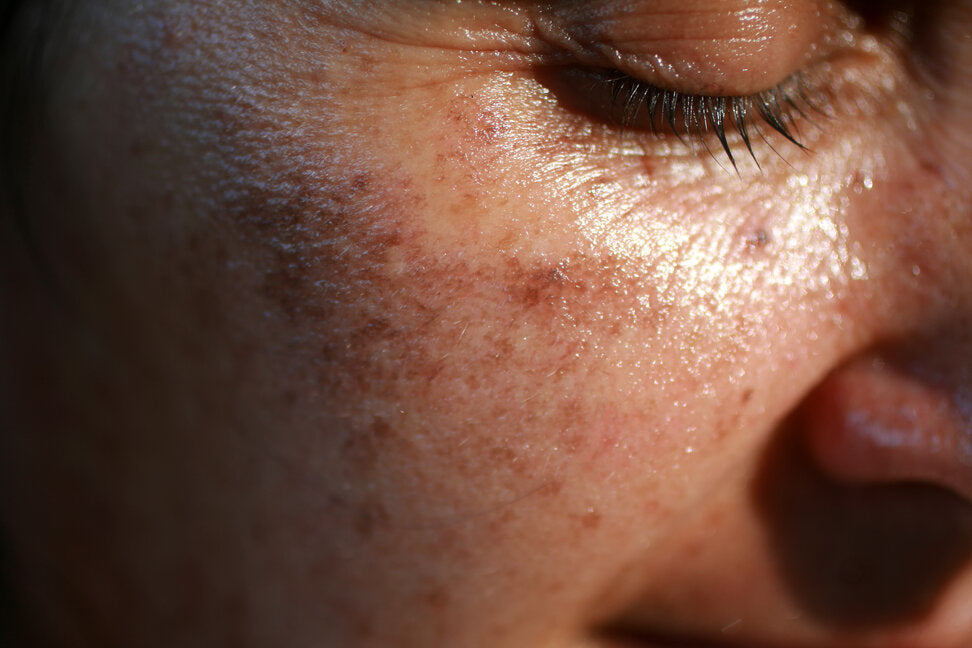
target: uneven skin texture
347 327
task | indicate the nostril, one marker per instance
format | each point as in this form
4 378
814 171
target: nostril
871 422
856 553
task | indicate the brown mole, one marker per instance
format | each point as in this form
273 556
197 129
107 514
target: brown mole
760 238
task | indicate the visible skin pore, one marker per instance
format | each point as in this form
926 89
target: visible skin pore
364 335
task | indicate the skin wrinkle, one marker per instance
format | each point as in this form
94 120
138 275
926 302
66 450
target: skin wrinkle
434 25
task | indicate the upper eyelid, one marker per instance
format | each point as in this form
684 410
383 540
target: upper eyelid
733 59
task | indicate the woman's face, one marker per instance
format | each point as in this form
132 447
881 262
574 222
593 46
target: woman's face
391 324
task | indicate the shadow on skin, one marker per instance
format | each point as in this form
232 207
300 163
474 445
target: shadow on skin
858 556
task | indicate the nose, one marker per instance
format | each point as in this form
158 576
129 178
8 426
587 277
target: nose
898 413
899 407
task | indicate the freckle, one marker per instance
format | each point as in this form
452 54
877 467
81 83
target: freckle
360 182
552 275
498 525
378 327
556 586
335 502
370 518
552 488
931 168
456 113
436 599
591 520
363 447
573 439
506 517
491 126
746 396
446 540
691 551
502 455
363 628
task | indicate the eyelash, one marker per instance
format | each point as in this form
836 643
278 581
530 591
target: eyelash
699 116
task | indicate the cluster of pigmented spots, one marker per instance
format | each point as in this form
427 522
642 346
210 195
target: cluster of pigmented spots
448 351
465 380
411 347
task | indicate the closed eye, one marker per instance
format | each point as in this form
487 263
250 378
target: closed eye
731 82
719 125
636 104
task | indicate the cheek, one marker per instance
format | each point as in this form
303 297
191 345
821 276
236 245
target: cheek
501 328
508 303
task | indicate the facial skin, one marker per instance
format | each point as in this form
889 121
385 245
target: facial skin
363 324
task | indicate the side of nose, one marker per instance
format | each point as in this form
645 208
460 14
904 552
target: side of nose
882 418
897 407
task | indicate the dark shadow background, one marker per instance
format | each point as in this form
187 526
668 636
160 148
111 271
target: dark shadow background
858 556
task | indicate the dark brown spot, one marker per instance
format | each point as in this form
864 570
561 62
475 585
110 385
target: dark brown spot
370 517
552 488
547 284
363 628
360 182
364 447
758 239
490 127
502 455
437 599
591 520
573 437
